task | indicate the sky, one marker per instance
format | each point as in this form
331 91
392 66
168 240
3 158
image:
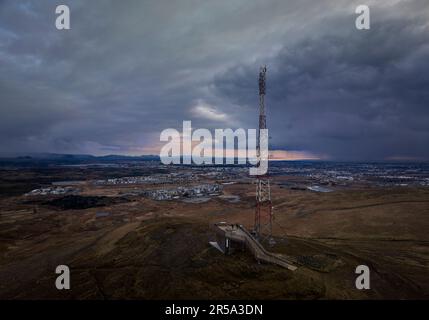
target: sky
126 70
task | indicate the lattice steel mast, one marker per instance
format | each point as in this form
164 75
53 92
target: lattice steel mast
264 211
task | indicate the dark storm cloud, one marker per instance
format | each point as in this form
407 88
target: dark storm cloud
129 69
349 94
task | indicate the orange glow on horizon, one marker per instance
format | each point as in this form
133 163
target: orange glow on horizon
274 155
283 155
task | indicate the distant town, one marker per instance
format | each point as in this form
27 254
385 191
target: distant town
315 176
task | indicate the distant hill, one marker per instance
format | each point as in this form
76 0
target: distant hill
41 159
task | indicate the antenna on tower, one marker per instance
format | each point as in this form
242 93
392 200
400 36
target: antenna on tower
263 227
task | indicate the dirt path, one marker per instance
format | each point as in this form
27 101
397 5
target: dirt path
107 243
353 207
